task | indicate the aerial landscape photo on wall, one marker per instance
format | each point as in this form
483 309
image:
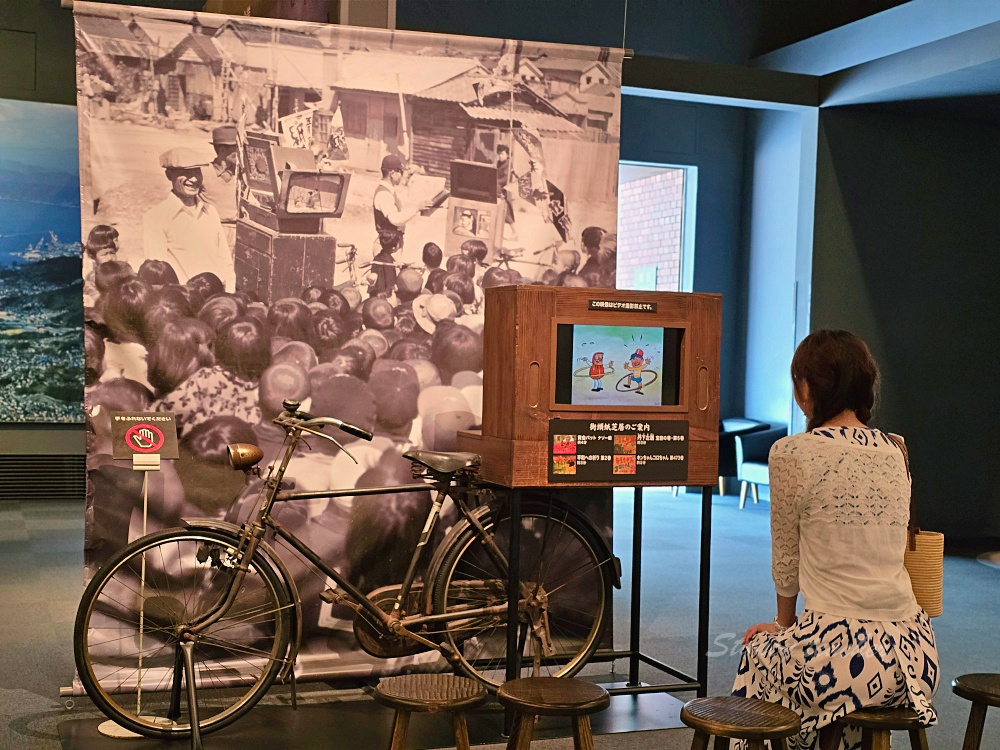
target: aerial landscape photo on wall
41 341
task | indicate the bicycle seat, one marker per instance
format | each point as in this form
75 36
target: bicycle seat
443 463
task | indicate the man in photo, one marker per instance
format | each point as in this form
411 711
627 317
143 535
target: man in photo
183 229
220 185
390 216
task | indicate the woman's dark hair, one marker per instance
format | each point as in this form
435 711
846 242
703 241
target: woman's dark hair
435 280
110 274
292 317
206 285
841 374
123 310
162 306
407 349
331 330
462 264
461 285
431 255
101 237
312 294
183 347
347 360
209 484
455 348
157 272
335 301
243 347
219 310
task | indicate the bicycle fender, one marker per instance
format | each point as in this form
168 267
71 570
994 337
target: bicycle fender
215 524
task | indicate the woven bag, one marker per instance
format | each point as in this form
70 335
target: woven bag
924 557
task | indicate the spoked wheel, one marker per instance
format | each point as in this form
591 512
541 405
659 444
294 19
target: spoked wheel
133 613
565 587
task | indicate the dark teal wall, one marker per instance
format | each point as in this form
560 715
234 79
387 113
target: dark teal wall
716 30
44 58
711 139
906 256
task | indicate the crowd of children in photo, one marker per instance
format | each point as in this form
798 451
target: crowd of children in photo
402 358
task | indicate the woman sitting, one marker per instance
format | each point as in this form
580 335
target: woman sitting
839 512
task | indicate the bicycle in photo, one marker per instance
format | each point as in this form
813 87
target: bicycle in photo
221 593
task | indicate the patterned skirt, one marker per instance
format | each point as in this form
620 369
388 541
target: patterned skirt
825 667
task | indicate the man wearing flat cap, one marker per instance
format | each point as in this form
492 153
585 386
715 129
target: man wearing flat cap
183 229
220 179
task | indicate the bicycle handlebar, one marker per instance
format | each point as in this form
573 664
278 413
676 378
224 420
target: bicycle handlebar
296 419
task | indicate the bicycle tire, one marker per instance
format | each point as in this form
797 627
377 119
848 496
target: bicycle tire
236 660
556 547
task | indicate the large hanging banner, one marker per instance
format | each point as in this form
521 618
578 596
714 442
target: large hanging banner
285 210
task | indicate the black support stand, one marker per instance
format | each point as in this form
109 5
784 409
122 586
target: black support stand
513 596
187 647
698 683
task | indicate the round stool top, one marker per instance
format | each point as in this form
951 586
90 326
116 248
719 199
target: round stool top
740 718
429 692
882 718
554 696
981 688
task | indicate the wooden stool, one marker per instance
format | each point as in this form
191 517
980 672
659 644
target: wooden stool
727 718
876 725
552 696
429 693
984 691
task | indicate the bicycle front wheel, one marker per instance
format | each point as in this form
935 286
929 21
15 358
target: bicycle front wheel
132 615
565 590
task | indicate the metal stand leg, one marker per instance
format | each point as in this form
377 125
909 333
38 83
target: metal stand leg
633 637
513 595
187 647
703 582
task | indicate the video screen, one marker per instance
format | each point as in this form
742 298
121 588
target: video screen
609 366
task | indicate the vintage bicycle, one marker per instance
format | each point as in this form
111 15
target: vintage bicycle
219 595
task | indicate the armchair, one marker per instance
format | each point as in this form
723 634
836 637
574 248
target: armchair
751 458
728 430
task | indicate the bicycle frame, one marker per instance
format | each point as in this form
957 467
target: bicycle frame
253 532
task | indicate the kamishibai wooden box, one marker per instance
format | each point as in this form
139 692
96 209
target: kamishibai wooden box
599 387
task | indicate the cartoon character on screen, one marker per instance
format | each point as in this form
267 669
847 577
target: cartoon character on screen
635 366
597 372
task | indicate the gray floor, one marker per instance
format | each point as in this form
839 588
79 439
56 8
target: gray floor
41 581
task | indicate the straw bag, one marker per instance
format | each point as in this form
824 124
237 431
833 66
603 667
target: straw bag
924 557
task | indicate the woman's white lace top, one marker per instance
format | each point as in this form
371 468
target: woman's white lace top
840 502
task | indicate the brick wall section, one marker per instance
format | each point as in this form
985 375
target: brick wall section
650 219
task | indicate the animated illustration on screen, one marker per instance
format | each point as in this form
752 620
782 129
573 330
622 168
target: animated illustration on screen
641 351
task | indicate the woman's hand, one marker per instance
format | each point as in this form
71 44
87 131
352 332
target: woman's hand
761 627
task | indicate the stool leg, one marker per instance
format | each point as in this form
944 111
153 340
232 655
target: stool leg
461 731
830 737
755 745
520 732
974 731
918 739
880 739
721 743
700 741
399 726
583 739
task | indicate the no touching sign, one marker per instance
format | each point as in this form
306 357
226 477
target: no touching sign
144 433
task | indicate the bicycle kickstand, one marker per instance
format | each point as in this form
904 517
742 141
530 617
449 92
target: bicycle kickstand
187 647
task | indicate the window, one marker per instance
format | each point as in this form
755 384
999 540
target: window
355 118
590 79
655 212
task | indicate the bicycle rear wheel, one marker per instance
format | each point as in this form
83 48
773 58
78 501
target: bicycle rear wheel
560 563
128 626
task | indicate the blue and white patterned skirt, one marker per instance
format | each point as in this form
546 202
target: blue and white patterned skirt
825 667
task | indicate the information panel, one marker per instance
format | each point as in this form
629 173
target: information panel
143 433
583 450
